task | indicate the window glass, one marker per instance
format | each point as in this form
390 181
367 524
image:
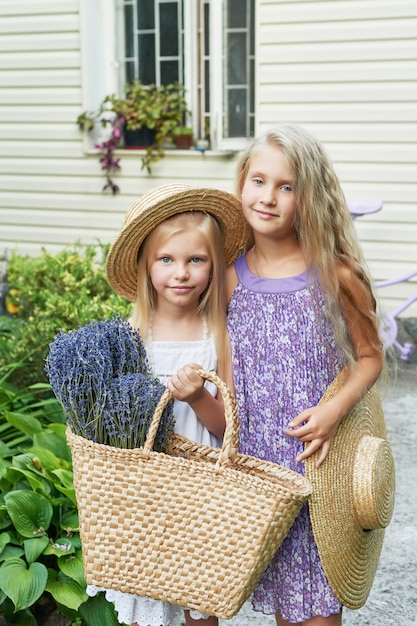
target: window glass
236 58
146 14
146 58
168 29
128 32
169 72
217 43
237 113
236 13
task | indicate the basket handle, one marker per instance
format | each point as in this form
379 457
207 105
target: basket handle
231 434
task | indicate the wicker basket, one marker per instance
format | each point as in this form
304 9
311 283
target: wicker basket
195 527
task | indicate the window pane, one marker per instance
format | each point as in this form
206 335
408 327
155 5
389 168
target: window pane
252 86
206 29
207 87
146 48
129 38
130 71
236 14
146 14
169 72
252 26
168 23
236 59
237 112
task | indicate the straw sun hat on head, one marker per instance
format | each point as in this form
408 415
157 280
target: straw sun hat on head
353 498
157 205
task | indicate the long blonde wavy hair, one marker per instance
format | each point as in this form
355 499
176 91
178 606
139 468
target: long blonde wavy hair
323 223
212 301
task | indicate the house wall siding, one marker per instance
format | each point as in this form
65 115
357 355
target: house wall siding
346 70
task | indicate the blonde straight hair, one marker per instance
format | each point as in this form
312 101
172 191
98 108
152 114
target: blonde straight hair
323 223
213 300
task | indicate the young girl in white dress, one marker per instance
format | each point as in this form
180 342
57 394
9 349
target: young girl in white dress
170 260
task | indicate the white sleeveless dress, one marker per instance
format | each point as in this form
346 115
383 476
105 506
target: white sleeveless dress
166 357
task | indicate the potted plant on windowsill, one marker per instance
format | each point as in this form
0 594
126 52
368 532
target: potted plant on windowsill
183 137
156 110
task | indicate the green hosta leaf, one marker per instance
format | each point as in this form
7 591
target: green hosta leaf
65 476
73 566
66 484
97 611
4 517
24 585
26 423
4 540
70 523
36 483
4 450
53 443
59 429
30 512
65 590
47 459
11 552
35 547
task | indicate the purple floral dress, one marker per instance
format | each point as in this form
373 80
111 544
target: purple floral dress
284 357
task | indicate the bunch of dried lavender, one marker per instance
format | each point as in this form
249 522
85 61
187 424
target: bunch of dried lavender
101 376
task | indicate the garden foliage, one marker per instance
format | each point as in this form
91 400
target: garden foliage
55 292
40 548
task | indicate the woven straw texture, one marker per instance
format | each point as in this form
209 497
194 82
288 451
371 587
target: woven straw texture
196 527
353 498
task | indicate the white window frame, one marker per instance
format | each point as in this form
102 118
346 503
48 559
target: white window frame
101 69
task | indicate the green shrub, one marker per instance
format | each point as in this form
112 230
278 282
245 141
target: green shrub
40 548
54 292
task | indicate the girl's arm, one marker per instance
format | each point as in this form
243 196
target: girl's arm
321 422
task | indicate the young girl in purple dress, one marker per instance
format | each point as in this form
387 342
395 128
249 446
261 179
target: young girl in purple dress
301 308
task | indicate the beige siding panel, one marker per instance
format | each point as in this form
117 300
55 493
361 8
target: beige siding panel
39 96
394 71
60 236
49 132
340 51
40 78
74 219
386 191
344 113
340 10
40 60
374 153
36 114
350 133
39 149
390 233
205 169
52 42
35 23
33 7
336 31
401 172
394 212
345 92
